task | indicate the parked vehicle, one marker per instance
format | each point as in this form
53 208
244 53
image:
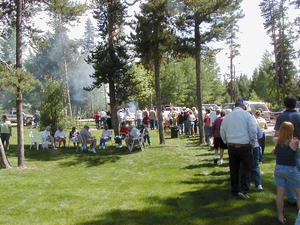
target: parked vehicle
213 106
27 118
252 107
12 117
228 106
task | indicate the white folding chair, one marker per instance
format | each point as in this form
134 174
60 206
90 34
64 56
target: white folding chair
34 141
136 141
44 140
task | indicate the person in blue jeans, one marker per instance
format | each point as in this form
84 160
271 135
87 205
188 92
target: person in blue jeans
290 115
256 175
106 136
257 157
286 172
145 134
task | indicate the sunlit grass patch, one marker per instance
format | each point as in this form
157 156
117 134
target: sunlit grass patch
176 183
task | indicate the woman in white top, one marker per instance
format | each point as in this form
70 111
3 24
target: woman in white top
263 126
60 136
191 122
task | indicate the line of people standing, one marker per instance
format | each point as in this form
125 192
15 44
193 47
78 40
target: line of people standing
243 134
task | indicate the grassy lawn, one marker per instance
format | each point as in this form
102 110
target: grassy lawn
172 184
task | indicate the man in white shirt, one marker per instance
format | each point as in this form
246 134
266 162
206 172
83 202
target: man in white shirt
239 132
103 118
139 118
195 112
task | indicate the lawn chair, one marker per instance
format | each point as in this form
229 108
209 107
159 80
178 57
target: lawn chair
136 142
108 138
73 140
44 140
34 141
82 145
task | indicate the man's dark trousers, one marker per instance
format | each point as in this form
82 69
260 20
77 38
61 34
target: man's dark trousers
240 163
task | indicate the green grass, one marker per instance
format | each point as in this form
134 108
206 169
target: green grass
172 184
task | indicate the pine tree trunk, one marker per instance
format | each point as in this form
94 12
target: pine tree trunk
113 108
158 98
157 59
19 96
112 91
20 130
3 159
198 80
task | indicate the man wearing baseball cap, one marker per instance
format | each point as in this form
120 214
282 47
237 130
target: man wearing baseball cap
239 132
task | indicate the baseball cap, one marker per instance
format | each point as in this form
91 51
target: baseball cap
240 101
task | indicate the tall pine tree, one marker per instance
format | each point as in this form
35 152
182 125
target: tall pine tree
110 59
207 20
153 40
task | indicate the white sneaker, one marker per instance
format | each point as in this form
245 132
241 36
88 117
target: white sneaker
259 188
93 150
220 162
103 147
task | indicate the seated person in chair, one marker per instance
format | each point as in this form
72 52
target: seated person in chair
106 136
88 138
124 133
47 137
73 136
134 135
60 136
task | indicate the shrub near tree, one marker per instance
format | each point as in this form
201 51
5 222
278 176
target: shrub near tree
53 105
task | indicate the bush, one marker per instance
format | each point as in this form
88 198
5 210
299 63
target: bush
53 105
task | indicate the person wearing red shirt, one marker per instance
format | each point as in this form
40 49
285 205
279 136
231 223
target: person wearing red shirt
124 130
207 127
146 120
97 120
124 133
218 142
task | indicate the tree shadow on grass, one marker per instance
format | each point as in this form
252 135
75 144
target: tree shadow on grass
205 154
208 181
269 157
210 204
202 207
69 157
219 173
102 157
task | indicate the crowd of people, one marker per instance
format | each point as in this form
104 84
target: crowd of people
239 131
244 137
102 119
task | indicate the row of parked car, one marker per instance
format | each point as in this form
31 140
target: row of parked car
253 106
27 118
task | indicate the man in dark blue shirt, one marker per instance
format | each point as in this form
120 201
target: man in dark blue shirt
290 115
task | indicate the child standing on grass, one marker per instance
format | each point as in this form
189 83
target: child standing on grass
145 134
286 172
